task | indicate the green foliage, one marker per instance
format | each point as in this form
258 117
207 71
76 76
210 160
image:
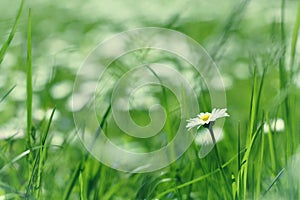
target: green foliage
256 51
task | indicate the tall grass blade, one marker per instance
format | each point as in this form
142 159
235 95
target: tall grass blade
259 165
201 178
295 39
12 33
80 166
271 146
29 83
72 181
284 84
42 157
245 162
81 183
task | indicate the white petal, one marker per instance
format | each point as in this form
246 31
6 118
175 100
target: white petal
201 114
218 113
194 122
215 114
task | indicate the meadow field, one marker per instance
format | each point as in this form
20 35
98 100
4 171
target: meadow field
96 98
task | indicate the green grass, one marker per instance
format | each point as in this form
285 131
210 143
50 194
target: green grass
7 42
253 161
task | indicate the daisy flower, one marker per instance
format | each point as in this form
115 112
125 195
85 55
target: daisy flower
207 120
204 119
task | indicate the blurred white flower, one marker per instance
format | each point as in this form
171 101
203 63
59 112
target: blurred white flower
57 139
275 125
12 129
206 118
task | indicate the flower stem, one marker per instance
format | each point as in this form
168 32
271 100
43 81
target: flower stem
218 157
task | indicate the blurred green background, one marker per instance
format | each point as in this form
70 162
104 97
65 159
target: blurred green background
64 33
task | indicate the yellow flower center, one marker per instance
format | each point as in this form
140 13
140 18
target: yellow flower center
205 117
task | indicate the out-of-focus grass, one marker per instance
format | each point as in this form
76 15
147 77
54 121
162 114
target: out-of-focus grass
255 46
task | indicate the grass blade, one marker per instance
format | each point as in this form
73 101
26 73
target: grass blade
294 39
72 181
201 178
23 154
29 83
7 93
12 33
42 157
274 181
18 157
80 166
232 23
